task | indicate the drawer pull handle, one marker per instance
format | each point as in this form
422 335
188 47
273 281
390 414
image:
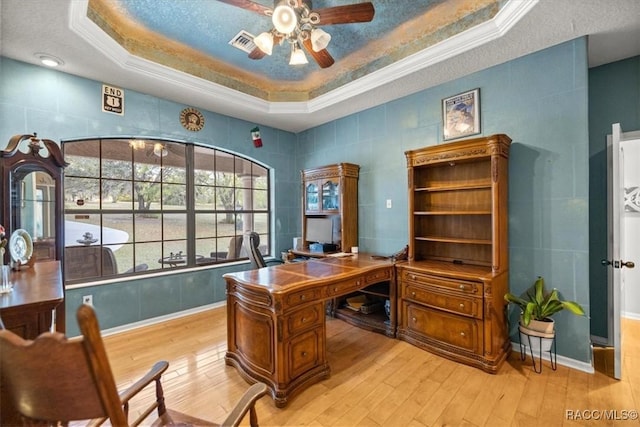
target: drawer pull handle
413 294
461 287
462 334
335 289
414 320
304 319
302 297
412 276
304 354
461 305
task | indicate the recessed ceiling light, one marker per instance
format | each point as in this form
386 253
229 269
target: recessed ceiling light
49 60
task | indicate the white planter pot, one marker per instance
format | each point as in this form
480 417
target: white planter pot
546 326
537 339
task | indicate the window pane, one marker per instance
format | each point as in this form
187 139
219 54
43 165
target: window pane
204 165
260 199
242 173
81 193
149 254
83 158
174 226
147 196
261 223
205 197
174 196
116 194
260 177
174 162
116 159
148 227
81 229
117 229
225 199
205 225
224 169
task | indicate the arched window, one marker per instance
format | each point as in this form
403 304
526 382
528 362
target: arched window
141 205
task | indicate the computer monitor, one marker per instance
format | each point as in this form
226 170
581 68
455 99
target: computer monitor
319 230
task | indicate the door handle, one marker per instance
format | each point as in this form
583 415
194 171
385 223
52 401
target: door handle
618 264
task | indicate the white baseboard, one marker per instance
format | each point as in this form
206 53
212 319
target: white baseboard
630 315
561 360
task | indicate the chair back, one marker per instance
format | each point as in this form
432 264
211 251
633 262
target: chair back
83 262
256 258
55 379
235 246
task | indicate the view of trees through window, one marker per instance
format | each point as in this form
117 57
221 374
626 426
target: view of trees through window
144 205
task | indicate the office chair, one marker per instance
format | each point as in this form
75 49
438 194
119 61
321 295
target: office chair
255 256
54 380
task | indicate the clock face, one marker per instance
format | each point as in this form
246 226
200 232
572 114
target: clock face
192 119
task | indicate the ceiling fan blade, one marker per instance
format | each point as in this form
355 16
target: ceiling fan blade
360 12
323 57
249 5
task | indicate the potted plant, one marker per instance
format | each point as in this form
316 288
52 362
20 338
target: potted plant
539 306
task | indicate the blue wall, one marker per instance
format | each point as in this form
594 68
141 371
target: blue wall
540 101
60 106
614 97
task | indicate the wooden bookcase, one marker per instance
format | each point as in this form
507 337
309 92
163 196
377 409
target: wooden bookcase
451 289
332 192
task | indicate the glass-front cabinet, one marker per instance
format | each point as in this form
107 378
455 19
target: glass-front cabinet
311 197
331 192
322 196
330 196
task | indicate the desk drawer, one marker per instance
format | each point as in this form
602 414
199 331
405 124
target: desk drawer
378 276
344 287
302 297
462 286
449 301
458 331
304 352
305 318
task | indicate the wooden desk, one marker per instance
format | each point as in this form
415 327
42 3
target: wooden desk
276 329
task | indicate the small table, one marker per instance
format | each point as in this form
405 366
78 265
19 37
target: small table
173 261
538 340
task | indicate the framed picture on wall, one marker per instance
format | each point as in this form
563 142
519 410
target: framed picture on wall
461 114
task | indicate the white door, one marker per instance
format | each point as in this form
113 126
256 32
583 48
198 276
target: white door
620 196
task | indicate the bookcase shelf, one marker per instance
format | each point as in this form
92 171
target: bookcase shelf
451 289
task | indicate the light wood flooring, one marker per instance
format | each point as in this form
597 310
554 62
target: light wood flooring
375 381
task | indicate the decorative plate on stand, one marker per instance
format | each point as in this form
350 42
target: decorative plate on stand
20 246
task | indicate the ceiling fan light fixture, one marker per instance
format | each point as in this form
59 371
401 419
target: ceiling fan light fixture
319 39
264 41
284 17
297 56
159 150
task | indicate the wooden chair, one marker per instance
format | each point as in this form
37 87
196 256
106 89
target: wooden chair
54 379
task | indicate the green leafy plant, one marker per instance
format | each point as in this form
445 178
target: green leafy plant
540 305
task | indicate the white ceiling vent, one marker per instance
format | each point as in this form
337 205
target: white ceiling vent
243 41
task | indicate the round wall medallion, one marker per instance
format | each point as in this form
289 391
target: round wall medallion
192 119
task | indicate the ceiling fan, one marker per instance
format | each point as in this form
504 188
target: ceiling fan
295 21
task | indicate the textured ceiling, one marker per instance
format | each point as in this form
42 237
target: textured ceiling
195 66
193 36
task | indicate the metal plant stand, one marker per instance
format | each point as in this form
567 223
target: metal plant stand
542 340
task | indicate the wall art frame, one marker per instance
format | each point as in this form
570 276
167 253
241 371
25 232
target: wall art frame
461 115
